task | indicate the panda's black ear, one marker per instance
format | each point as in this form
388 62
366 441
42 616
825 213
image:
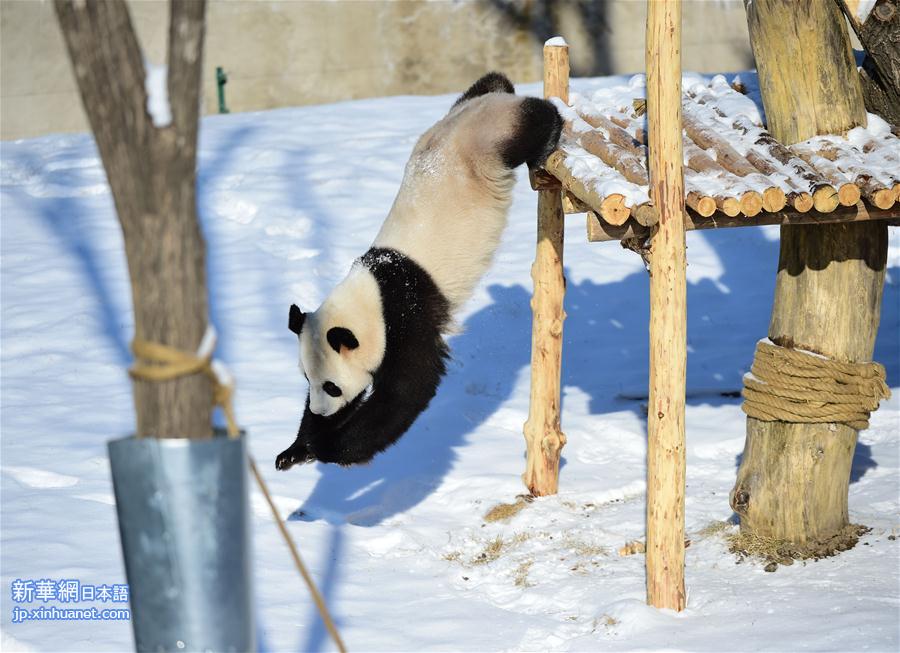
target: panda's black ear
340 337
296 319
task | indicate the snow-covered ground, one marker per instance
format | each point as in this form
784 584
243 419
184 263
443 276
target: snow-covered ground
288 198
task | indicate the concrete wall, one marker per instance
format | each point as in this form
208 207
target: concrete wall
290 52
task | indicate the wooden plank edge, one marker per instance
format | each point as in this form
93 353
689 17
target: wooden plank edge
599 231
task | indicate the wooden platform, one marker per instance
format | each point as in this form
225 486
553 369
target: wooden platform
736 174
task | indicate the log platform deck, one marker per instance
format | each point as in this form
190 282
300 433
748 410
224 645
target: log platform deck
735 173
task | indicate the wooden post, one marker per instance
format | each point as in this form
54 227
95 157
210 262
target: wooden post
793 480
543 436
668 311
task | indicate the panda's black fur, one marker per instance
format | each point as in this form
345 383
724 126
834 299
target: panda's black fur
490 83
416 315
537 136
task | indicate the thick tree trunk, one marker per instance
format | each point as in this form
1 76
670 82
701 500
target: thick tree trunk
793 479
151 171
807 75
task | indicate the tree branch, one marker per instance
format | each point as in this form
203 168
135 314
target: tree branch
186 32
109 69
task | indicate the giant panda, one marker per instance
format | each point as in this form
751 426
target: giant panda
374 352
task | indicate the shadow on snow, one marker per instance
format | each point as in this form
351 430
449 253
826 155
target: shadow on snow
605 355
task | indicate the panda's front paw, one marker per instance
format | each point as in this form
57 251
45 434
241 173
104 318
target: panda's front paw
292 456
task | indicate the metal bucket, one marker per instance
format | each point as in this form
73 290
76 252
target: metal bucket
185 531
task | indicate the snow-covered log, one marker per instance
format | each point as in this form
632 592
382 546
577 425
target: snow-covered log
705 137
611 206
876 186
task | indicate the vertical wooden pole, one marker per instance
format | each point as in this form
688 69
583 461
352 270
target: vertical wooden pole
543 436
668 314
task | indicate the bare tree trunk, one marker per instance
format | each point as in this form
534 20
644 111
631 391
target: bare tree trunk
151 171
793 481
879 33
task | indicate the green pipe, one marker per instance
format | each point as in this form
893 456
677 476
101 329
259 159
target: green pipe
221 80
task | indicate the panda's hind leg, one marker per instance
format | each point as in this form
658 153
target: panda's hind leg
535 136
493 82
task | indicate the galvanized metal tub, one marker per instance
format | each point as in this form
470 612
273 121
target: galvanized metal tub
185 531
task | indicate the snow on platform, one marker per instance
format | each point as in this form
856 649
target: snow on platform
732 164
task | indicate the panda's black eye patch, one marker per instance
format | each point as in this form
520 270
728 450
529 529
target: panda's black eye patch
340 337
331 389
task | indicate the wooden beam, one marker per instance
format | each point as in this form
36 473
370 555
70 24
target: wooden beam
571 204
543 437
599 231
543 180
668 314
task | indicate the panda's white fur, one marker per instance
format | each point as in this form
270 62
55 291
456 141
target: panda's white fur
354 304
455 195
373 352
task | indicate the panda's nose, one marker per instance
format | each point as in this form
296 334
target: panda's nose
331 389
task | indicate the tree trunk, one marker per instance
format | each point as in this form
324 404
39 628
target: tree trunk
879 33
151 172
793 480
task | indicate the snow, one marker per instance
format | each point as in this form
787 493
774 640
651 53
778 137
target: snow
156 86
208 342
288 199
555 41
732 121
863 9
876 127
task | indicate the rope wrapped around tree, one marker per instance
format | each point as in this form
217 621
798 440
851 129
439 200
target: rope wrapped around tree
158 362
792 385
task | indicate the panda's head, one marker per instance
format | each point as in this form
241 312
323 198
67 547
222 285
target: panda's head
341 343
